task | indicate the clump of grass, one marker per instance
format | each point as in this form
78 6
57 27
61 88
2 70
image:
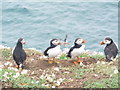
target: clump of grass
19 80
104 83
64 57
98 56
79 72
84 55
6 54
32 52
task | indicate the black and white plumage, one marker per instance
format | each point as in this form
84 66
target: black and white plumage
19 54
110 50
54 50
77 49
65 40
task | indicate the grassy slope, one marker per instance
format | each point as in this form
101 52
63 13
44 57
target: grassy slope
105 70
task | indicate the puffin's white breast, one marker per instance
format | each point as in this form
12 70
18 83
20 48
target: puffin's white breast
77 51
54 52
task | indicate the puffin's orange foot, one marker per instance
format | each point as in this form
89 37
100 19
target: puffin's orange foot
50 62
79 61
17 66
76 63
57 62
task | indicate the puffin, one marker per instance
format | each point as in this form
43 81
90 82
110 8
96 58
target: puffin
76 50
53 50
110 50
65 41
19 54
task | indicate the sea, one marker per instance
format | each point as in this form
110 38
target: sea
39 22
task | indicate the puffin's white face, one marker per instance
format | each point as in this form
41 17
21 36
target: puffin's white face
107 41
79 41
23 41
56 42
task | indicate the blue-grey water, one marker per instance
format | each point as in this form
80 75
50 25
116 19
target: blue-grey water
39 22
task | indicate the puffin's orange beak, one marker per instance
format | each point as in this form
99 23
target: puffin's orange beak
66 43
60 43
84 41
102 43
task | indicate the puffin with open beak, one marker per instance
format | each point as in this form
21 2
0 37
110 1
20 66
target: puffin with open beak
76 50
53 51
110 50
19 54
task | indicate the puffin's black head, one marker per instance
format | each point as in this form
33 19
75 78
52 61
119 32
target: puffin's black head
79 41
107 41
55 42
21 40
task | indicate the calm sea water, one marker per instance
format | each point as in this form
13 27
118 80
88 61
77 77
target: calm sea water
38 23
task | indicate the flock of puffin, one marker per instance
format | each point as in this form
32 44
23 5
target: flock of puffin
54 50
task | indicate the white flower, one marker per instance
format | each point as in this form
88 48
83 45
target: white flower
98 62
1 66
7 63
17 75
66 72
15 69
95 75
10 64
103 62
81 64
10 73
49 79
56 69
94 53
41 77
32 82
115 71
32 59
24 72
37 81
53 86
60 80
12 68
58 83
5 75
53 75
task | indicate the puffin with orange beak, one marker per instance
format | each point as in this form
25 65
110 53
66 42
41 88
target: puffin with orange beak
110 50
53 51
76 50
19 54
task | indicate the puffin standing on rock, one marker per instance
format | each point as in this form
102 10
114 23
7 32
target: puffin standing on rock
53 51
110 50
76 50
19 54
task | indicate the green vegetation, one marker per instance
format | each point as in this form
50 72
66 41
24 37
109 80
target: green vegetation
79 73
18 80
6 54
97 56
104 83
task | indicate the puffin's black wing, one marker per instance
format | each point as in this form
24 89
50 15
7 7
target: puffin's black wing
108 54
111 51
45 52
114 50
69 53
19 56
